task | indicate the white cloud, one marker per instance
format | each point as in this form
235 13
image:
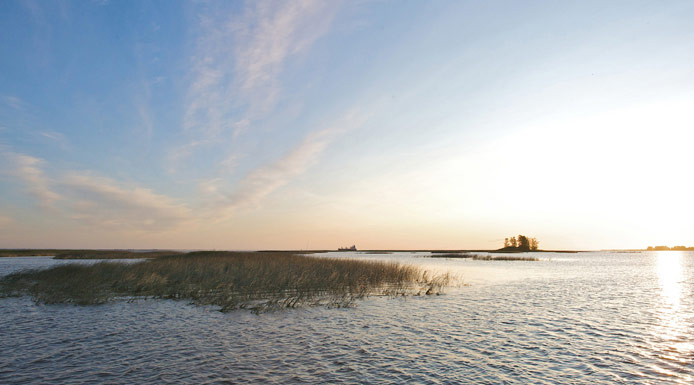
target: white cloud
230 164
261 182
28 170
55 137
52 135
238 60
278 31
96 201
211 191
103 201
268 178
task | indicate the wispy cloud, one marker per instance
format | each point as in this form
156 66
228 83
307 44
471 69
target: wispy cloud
94 200
28 170
210 188
105 202
238 60
55 137
237 63
13 102
5 221
278 31
229 165
177 154
261 182
142 105
142 97
264 180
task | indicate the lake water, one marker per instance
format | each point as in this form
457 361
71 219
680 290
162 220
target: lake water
595 317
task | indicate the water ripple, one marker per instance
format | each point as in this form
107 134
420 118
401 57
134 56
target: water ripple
595 318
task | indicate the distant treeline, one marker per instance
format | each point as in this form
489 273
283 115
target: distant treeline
29 252
86 254
519 244
665 248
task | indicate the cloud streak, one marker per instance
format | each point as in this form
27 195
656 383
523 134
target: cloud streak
13 102
263 181
5 221
96 201
238 60
29 171
276 34
106 203
55 137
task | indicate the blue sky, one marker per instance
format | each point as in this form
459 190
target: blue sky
312 124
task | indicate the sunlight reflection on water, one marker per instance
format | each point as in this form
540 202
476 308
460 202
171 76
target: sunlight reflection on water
671 336
670 276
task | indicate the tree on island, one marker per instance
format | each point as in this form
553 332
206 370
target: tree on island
522 243
667 248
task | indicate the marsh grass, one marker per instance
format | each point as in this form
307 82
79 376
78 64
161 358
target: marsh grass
480 257
28 252
451 255
503 258
231 280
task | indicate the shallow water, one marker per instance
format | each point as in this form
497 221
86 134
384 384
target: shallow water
569 318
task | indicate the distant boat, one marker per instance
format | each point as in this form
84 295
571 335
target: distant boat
353 248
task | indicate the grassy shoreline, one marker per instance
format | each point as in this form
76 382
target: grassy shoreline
230 280
479 257
86 254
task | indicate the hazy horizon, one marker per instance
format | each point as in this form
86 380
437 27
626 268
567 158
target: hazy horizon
320 124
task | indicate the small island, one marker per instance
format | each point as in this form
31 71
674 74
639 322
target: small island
522 244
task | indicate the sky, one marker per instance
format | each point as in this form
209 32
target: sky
316 124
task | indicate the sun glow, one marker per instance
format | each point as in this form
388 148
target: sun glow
618 174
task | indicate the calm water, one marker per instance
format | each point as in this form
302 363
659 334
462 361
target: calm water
570 318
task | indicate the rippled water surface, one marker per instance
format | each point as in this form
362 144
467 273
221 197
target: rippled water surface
569 318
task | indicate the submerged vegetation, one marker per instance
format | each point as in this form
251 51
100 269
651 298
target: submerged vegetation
231 280
503 258
480 257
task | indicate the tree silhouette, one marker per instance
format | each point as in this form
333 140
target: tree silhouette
520 243
523 243
533 244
